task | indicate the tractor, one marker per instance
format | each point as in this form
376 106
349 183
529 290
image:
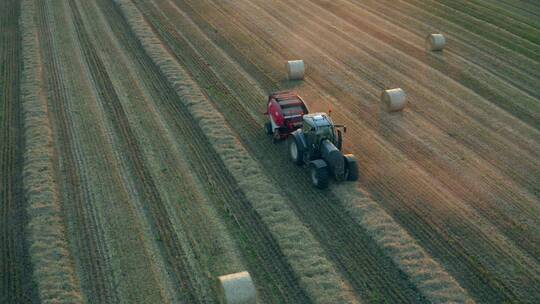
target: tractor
317 144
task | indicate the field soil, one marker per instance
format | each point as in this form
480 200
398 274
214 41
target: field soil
135 167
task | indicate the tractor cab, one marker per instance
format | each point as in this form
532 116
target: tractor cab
318 127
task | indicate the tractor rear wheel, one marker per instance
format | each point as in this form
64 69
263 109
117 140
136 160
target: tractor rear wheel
351 169
296 151
268 128
319 176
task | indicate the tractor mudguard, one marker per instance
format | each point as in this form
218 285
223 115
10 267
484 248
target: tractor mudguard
318 163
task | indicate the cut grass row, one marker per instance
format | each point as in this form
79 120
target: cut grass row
146 187
84 232
15 268
206 254
315 274
267 264
53 271
100 205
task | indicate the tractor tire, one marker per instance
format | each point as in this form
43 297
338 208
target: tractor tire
351 169
319 176
268 128
296 151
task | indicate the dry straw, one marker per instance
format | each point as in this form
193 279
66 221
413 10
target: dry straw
316 275
394 99
295 69
237 288
51 259
435 42
427 274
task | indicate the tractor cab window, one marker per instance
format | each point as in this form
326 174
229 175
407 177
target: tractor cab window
325 132
322 130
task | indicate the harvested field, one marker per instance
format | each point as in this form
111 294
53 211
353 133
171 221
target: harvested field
135 167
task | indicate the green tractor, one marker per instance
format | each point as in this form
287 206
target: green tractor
317 145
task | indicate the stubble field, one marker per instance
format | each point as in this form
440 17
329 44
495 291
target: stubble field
135 168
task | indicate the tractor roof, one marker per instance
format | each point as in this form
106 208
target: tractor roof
318 119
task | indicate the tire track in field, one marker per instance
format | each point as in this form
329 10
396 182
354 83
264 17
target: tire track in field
337 233
15 272
525 10
449 252
268 262
505 22
88 241
161 222
503 10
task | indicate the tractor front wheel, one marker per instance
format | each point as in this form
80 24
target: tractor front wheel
319 176
295 151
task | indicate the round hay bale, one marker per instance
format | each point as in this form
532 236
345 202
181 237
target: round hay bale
237 288
435 42
394 99
295 69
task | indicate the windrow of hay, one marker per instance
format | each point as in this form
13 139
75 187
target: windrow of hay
316 274
428 276
53 270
